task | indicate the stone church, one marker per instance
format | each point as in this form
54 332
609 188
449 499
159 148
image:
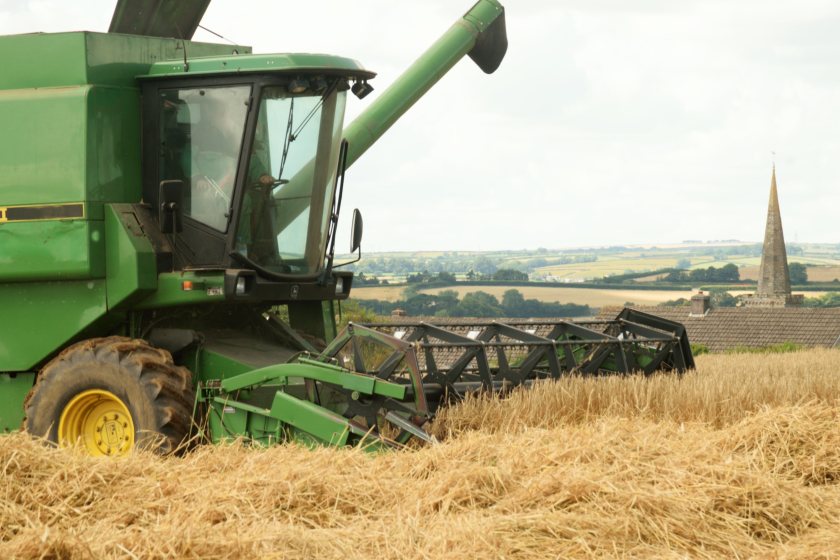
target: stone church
774 276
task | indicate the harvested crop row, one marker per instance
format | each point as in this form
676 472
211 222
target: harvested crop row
610 479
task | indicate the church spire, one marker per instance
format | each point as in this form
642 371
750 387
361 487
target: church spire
774 277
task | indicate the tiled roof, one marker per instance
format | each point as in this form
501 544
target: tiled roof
723 328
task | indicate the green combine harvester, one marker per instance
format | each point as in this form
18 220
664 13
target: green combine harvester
161 199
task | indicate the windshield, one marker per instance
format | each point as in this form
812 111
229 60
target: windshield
201 137
289 184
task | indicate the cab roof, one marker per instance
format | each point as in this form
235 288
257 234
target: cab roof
259 64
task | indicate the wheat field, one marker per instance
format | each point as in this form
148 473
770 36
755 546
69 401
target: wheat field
738 459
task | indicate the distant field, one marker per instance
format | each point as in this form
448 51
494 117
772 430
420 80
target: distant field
815 273
581 296
384 293
604 266
633 262
824 269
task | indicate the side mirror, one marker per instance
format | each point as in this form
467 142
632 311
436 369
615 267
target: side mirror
171 206
356 234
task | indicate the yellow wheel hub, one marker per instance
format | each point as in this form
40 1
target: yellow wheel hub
99 421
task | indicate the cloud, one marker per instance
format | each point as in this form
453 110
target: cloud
609 121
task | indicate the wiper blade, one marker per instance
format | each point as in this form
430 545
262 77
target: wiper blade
287 142
262 271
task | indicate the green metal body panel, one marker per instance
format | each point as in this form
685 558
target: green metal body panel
233 411
81 58
258 63
317 371
207 287
71 135
307 417
130 258
207 365
228 421
40 318
64 250
314 317
43 149
13 389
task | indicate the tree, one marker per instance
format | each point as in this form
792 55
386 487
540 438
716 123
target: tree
798 273
478 304
447 277
831 299
484 265
726 273
509 275
445 303
512 300
729 273
352 310
722 298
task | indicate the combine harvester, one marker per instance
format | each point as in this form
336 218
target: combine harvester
160 197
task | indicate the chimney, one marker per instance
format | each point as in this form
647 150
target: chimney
700 304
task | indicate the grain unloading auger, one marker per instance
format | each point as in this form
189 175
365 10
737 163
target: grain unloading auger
160 197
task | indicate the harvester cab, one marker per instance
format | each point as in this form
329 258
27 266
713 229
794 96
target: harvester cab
161 198
242 157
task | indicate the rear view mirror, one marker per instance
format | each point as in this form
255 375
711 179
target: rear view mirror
356 231
171 206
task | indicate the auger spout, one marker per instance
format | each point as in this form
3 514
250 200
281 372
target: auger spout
480 33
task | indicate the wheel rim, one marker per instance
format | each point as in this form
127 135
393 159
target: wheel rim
99 422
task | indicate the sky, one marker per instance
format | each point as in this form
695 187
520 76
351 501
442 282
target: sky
610 122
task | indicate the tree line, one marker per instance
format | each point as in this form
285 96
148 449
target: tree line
474 304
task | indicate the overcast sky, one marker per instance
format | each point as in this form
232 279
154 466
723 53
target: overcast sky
609 122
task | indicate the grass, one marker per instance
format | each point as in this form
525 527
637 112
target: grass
740 459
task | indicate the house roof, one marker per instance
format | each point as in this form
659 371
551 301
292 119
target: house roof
722 328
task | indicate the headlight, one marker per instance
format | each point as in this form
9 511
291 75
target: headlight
339 285
240 286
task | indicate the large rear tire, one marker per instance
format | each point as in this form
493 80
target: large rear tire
110 396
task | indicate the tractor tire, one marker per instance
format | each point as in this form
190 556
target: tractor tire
111 396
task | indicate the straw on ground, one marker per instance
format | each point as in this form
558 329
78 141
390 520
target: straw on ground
739 459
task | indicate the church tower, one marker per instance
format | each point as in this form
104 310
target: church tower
774 276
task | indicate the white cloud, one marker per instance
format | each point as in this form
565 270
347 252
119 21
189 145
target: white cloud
609 121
